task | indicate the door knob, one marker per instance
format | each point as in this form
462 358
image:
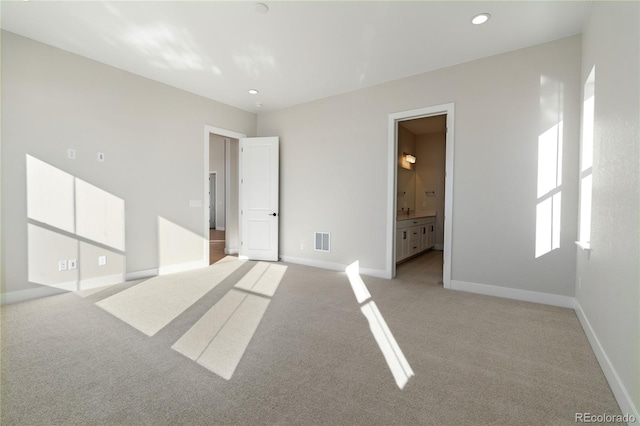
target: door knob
273 214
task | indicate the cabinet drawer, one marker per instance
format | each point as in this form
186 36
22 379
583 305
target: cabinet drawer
414 248
402 224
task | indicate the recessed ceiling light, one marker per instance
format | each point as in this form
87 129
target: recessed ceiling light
480 19
253 91
261 8
259 105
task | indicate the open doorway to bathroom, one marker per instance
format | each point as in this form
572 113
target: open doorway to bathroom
421 169
421 195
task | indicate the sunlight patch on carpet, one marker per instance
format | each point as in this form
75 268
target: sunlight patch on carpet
151 305
398 364
263 279
219 339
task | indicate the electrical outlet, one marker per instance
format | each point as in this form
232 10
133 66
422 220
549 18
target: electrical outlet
71 153
62 265
102 260
72 264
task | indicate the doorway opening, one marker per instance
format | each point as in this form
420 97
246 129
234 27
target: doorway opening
421 191
221 174
217 240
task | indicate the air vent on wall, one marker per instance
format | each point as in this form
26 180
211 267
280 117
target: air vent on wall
323 241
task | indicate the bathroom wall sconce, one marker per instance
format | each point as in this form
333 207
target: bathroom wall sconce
409 158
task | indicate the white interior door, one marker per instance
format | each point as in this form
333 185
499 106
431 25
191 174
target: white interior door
259 198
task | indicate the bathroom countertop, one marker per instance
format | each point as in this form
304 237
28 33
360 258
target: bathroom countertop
414 215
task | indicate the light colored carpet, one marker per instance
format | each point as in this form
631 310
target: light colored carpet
219 339
263 278
151 305
477 360
388 345
223 354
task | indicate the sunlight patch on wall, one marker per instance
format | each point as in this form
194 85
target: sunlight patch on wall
46 249
586 158
50 195
549 188
179 249
75 230
99 215
393 355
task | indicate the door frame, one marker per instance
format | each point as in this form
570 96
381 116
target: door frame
227 134
392 179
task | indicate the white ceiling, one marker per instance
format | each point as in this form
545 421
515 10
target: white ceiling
298 52
426 125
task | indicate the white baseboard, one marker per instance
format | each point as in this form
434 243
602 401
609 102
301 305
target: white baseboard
29 294
231 251
181 267
101 281
438 247
513 293
623 398
219 228
137 275
333 266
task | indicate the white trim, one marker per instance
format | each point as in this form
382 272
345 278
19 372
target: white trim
379 273
449 110
181 267
227 187
101 281
617 387
227 134
29 294
231 251
514 293
137 275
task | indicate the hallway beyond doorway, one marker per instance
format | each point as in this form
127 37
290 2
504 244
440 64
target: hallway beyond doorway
216 245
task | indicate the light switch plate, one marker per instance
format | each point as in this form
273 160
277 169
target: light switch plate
72 264
102 260
101 157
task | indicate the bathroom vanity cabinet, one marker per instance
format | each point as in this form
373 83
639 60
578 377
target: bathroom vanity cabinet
414 235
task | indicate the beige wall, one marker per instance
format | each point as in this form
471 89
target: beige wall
430 172
608 281
334 167
152 136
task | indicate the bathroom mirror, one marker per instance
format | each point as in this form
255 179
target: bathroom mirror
406 190
406 187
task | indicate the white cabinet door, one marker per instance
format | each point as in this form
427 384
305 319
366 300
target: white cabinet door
259 198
